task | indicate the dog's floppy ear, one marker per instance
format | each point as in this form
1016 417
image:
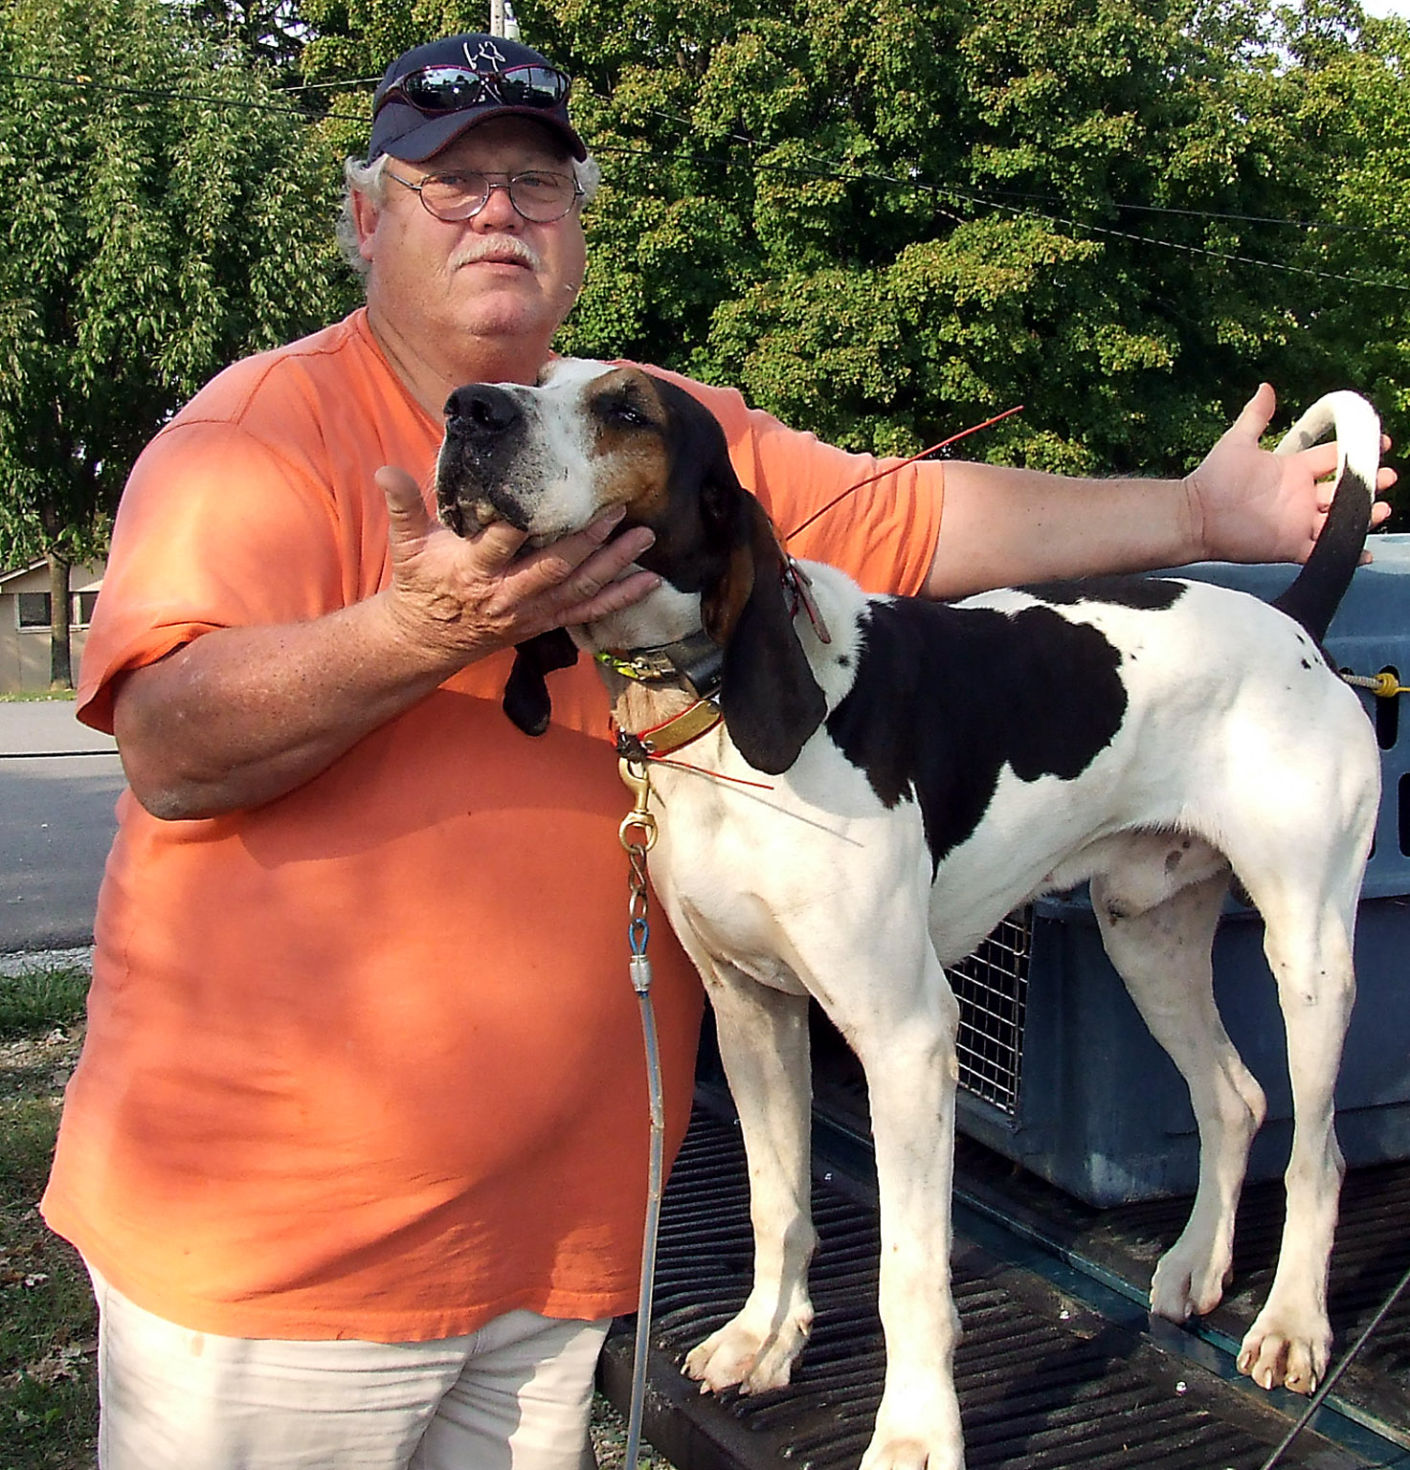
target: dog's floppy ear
526 699
770 701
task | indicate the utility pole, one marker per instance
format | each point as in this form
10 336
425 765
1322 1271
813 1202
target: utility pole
502 20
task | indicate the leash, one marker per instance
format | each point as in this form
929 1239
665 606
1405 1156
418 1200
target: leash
639 820
895 468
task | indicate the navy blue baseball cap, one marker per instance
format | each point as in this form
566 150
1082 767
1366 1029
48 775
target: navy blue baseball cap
431 95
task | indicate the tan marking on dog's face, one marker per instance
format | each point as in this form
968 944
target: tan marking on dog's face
630 436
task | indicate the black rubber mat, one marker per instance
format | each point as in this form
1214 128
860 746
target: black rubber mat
1044 1381
1371 1254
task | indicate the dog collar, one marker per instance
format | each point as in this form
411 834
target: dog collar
670 735
697 659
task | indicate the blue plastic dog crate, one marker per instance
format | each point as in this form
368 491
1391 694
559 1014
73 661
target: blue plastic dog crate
1057 1069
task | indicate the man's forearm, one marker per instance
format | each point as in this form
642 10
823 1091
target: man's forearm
1005 526
1241 503
241 716
244 715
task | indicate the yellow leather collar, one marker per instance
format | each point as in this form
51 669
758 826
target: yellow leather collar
670 736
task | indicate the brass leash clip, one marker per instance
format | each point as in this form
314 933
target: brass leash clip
636 777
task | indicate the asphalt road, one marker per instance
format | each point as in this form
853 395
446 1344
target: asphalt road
58 783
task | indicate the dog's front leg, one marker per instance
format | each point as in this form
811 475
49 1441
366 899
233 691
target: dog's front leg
763 1038
903 1029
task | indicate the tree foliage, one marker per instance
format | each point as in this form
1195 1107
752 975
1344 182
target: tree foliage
882 219
165 213
268 32
886 219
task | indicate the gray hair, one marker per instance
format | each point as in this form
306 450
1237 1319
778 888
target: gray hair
369 180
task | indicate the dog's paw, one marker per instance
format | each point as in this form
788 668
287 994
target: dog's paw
741 1356
1189 1283
1281 1352
931 1442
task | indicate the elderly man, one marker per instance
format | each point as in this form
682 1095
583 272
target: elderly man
356 1149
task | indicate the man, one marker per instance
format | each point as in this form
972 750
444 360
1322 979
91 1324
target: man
356 1149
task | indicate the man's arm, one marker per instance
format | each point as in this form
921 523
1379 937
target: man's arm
240 716
1243 503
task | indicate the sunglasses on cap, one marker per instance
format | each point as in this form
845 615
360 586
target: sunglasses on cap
436 90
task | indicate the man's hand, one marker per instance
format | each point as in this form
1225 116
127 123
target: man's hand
243 715
1248 504
466 596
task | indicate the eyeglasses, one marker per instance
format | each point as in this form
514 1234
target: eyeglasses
537 195
440 89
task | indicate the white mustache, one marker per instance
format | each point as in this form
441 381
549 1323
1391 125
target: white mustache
496 247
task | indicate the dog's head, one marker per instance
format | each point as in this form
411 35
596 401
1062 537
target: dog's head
551 458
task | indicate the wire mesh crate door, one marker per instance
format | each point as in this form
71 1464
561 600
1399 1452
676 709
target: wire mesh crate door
991 986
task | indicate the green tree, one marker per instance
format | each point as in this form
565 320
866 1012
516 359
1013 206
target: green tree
1345 105
166 212
266 31
886 219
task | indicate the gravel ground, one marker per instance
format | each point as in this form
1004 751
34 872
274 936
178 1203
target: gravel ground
609 1440
46 959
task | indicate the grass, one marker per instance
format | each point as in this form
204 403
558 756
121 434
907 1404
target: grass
48 1387
48 1378
41 999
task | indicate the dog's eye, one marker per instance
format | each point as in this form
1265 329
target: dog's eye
624 413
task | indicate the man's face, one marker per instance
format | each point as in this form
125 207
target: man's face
446 287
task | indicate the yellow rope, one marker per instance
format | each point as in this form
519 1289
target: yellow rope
1383 685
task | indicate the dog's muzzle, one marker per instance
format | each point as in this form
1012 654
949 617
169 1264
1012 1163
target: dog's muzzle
485 430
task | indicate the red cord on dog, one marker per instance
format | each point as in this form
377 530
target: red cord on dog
891 470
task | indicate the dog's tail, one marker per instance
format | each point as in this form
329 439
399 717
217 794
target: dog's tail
1320 586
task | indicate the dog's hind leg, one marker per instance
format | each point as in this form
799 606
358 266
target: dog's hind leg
1163 955
1309 949
763 1039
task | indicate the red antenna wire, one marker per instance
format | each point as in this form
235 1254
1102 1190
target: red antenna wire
892 469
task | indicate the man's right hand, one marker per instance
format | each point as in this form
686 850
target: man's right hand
241 716
469 596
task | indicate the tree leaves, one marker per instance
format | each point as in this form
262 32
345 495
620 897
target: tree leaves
167 212
883 220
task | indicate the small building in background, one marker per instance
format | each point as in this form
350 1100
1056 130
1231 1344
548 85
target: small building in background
25 619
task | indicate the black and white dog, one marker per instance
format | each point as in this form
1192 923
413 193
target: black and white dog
932 767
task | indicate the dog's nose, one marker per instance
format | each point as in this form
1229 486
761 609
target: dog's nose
482 410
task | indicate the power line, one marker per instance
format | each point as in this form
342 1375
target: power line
953 193
827 169
824 170
165 95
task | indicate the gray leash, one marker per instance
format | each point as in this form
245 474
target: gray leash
634 774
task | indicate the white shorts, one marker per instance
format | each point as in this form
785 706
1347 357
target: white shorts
516 1395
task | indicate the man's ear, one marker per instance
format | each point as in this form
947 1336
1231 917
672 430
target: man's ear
364 217
769 699
526 698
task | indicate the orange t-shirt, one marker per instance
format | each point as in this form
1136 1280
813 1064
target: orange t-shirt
365 1061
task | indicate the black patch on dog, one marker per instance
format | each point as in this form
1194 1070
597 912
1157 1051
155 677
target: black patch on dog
945 697
1144 594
